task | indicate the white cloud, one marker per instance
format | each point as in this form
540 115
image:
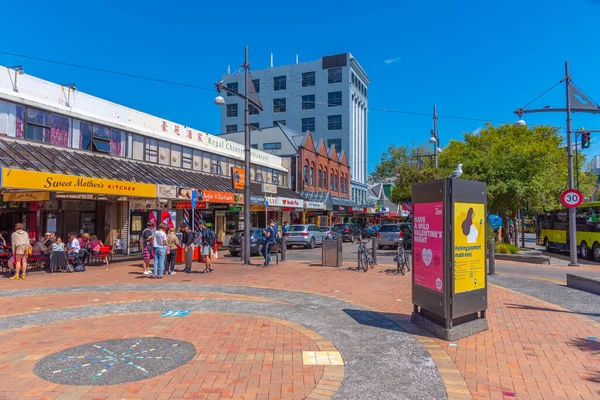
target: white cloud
477 131
392 60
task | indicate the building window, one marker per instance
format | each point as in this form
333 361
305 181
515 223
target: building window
118 143
312 176
187 158
138 147
335 142
259 177
254 125
279 105
279 83
254 146
308 124
152 150
231 128
12 120
252 110
232 110
82 138
334 75
232 86
101 139
256 83
175 155
272 146
325 179
308 79
334 99
308 102
279 121
320 179
305 175
275 177
334 122
332 181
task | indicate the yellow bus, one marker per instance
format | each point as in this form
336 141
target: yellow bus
552 230
528 226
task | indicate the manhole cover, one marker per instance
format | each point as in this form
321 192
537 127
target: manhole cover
115 361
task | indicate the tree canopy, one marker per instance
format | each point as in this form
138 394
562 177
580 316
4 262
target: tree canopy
522 166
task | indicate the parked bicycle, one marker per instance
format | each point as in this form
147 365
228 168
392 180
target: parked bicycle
365 258
401 258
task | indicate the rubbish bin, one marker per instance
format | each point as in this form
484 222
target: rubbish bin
332 251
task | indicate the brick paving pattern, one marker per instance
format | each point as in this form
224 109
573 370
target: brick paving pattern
533 350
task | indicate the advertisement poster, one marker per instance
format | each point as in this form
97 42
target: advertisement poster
469 247
428 245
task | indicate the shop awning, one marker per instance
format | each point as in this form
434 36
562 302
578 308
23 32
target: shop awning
28 166
340 204
318 197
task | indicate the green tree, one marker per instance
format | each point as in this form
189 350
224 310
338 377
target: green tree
522 167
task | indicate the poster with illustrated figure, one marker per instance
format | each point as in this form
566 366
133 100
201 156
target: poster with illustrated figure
428 245
469 247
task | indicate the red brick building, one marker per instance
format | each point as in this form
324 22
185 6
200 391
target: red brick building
322 170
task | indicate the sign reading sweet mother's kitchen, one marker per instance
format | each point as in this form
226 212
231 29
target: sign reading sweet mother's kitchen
428 245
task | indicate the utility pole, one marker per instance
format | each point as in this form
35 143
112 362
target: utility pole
572 211
434 134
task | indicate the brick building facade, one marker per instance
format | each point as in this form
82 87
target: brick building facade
322 170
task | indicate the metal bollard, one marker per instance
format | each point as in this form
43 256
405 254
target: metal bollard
283 247
374 250
242 251
491 258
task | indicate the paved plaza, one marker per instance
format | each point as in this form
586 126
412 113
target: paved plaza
292 331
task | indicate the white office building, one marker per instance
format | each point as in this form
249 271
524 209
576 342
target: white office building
327 97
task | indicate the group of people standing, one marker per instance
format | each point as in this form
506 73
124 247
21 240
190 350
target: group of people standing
162 245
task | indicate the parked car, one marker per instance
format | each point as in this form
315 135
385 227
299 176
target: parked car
390 235
257 238
307 235
370 231
349 231
328 232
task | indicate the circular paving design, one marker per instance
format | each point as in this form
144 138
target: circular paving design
114 361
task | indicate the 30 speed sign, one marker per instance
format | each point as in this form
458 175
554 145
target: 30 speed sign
571 198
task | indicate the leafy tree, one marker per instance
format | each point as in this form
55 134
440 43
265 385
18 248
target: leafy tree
522 167
406 176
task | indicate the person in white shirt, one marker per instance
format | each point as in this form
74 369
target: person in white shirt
75 249
159 242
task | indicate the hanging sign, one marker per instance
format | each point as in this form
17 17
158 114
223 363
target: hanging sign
238 178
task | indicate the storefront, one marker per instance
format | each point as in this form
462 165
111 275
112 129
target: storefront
316 213
282 209
359 216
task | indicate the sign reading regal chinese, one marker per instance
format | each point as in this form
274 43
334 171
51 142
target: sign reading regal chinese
19 179
238 178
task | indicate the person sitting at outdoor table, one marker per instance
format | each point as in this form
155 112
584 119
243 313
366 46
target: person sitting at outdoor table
58 258
95 246
84 243
2 244
74 248
39 248
49 239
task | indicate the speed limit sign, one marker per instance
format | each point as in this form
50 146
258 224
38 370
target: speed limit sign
571 198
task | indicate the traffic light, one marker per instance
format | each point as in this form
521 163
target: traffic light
585 140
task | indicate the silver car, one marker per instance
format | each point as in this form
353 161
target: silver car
307 235
393 235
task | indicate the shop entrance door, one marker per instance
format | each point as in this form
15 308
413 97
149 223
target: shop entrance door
137 224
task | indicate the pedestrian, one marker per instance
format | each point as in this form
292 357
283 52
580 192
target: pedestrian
147 246
20 247
286 227
159 242
208 244
271 234
58 258
74 248
172 243
187 242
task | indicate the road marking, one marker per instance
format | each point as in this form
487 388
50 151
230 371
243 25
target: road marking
551 280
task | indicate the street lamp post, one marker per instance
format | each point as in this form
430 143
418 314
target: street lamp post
435 138
587 106
219 100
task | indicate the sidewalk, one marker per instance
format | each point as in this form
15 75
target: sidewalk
533 350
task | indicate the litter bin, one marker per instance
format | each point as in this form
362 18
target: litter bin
332 251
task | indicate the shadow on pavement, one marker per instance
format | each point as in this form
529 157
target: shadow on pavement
592 346
522 307
376 320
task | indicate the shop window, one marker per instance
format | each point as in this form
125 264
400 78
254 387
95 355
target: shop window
164 153
187 158
118 143
138 148
12 119
152 150
175 155
206 161
82 135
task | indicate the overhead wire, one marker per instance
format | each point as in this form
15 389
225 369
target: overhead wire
193 86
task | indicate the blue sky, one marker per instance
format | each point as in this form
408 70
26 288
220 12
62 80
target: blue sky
474 59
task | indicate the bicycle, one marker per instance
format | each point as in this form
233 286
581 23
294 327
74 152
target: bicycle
402 263
365 258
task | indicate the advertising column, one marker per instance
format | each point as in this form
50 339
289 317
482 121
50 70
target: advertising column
469 247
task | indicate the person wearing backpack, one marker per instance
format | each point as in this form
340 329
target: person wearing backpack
147 247
187 242
208 243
